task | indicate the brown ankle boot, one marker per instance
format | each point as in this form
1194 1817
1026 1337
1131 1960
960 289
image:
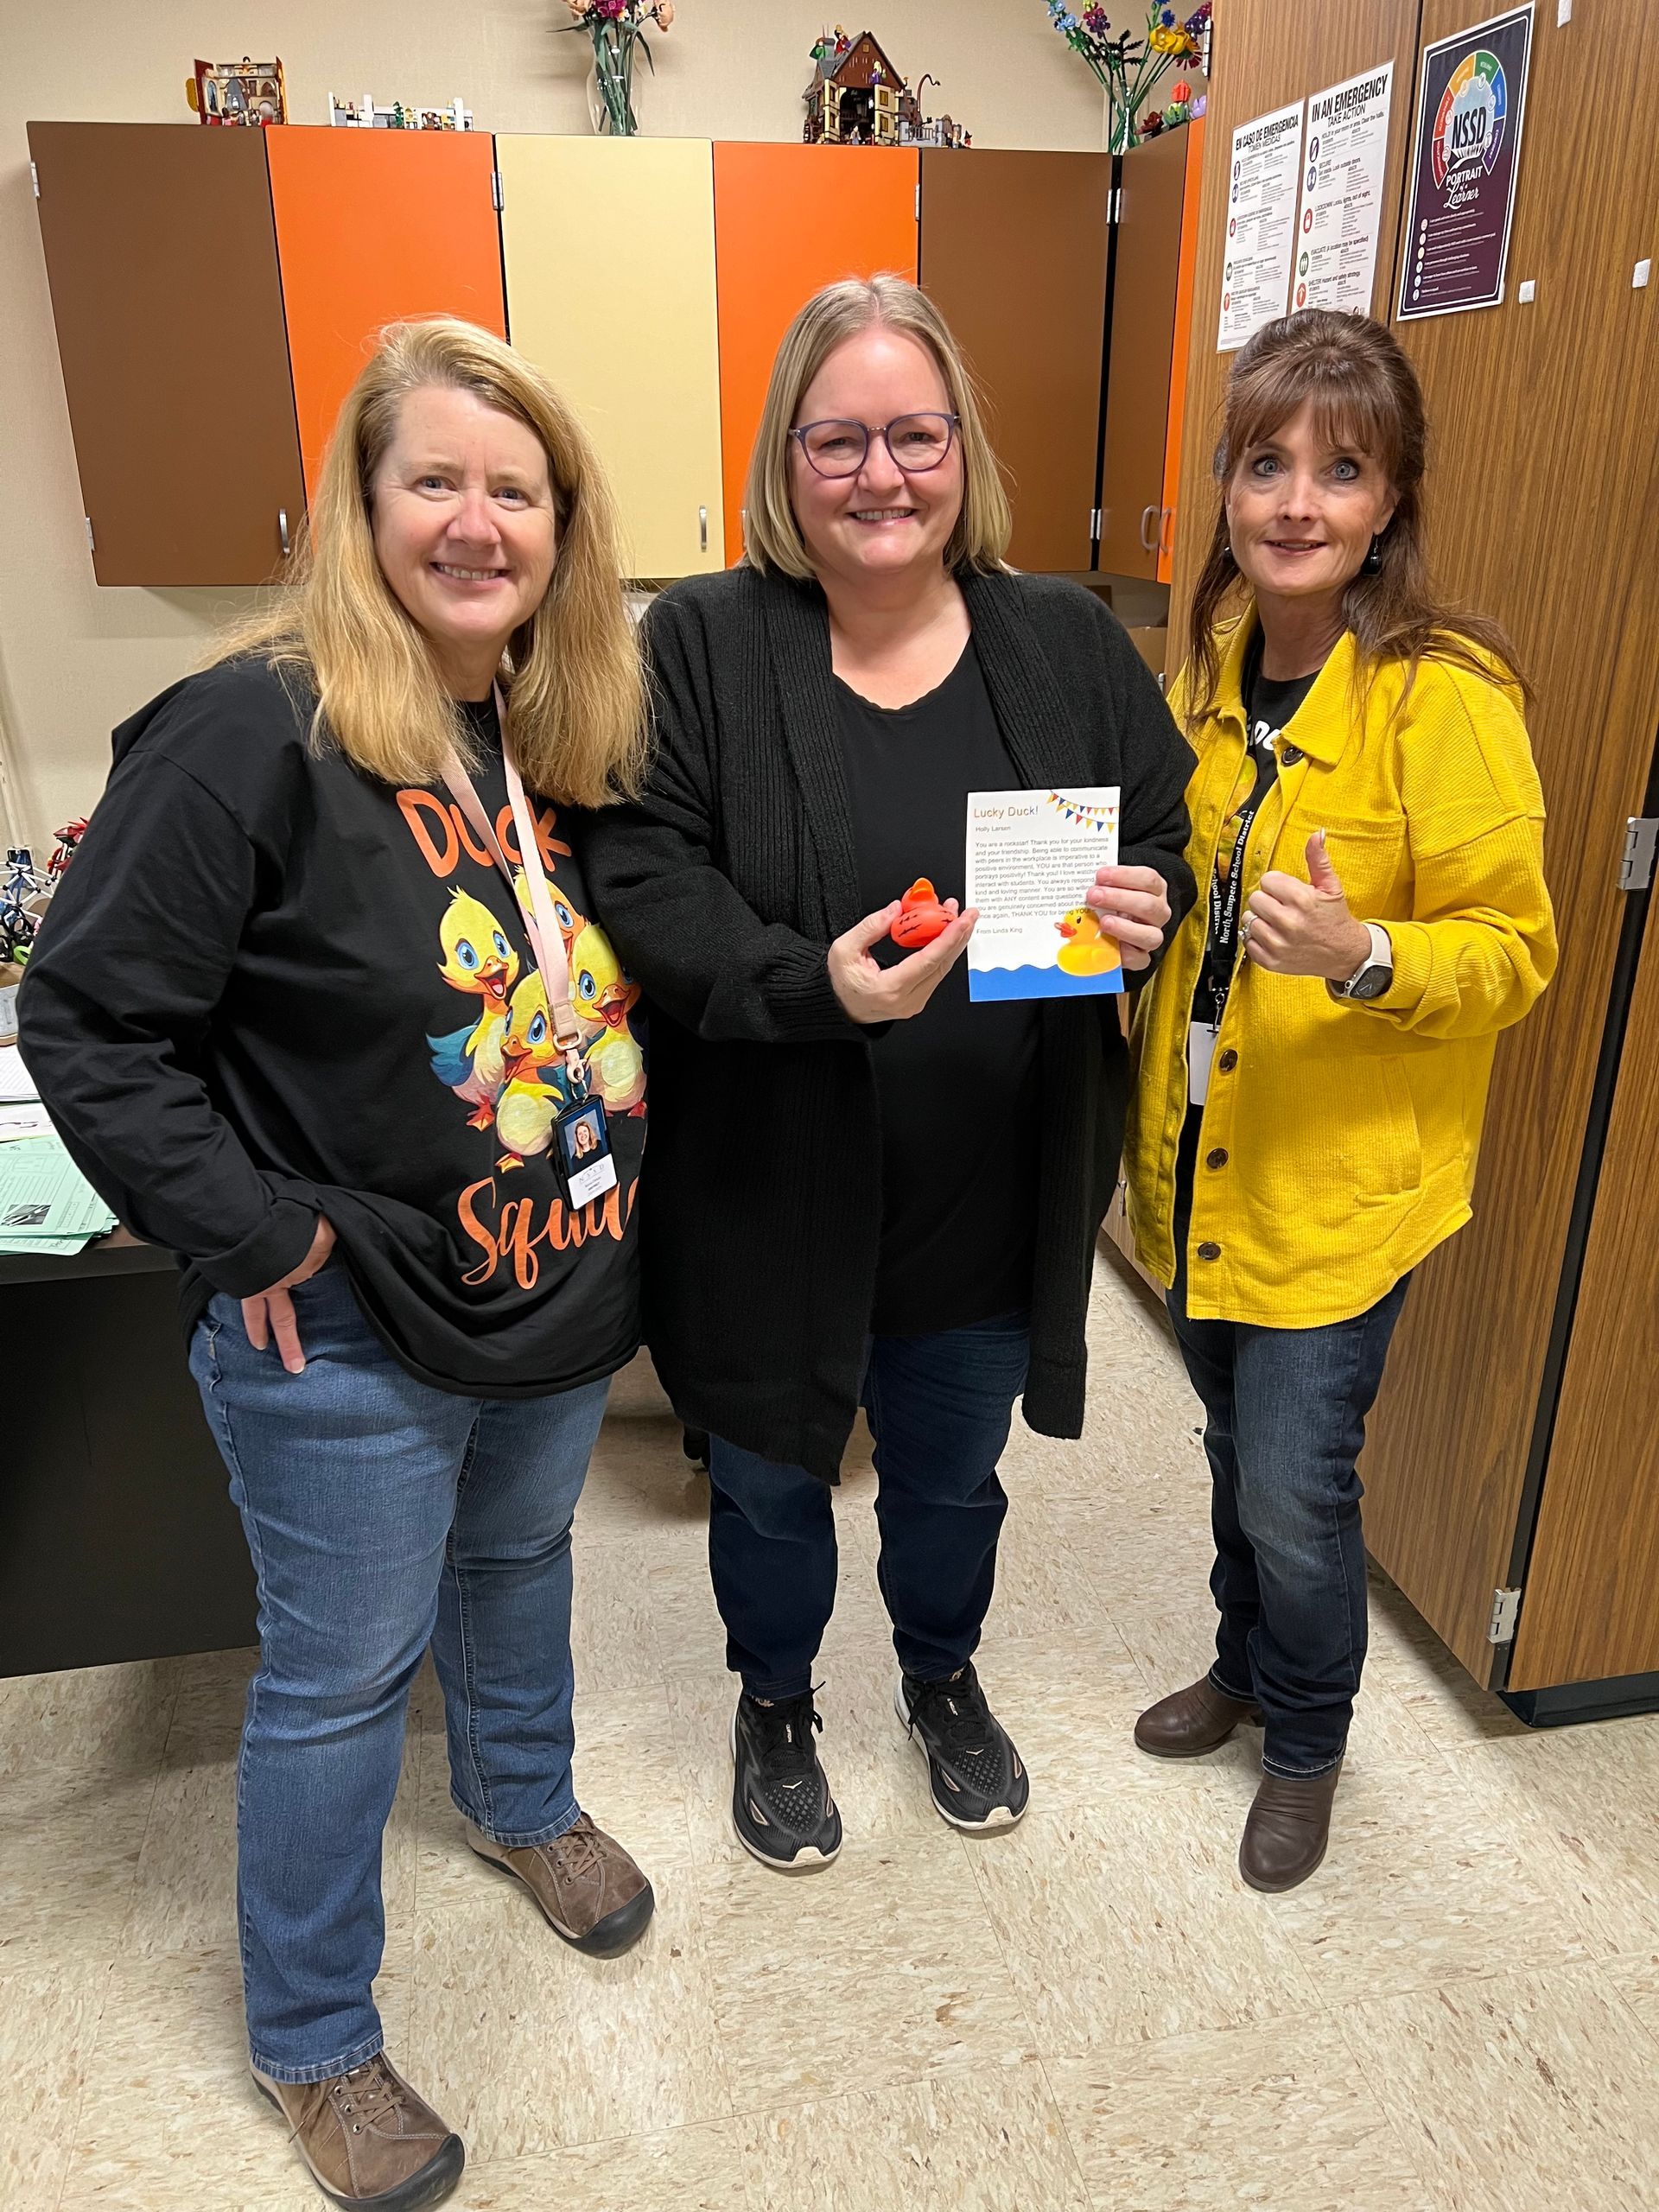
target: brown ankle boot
1191 1722
368 2138
1288 1827
589 1891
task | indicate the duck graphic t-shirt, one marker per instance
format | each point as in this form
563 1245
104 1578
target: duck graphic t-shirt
320 997
957 1083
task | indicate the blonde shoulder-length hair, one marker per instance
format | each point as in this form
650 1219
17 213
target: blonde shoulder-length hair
771 535
575 696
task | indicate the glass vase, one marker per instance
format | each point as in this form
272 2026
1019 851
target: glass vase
610 86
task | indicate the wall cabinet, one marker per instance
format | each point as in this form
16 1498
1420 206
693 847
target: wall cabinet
788 219
374 226
1155 242
162 258
610 246
1013 251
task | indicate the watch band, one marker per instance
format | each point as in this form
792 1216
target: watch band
1380 959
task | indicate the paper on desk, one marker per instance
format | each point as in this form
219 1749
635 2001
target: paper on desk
15 1081
26 1119
1032 855
46 1204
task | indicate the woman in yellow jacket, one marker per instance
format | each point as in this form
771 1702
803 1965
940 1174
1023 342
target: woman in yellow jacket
1313 1057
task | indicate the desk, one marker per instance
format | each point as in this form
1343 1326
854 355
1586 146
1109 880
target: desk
117 1537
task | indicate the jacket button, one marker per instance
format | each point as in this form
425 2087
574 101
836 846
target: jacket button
1208 1251
1228 1061
1290 756
1216 1159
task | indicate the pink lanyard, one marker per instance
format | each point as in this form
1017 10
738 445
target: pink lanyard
540 924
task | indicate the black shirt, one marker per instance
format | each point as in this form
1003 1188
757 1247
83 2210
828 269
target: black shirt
271 987
957 1084
1269 703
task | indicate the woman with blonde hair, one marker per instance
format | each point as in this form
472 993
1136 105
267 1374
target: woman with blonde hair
303 1013
862 1187
1313 1060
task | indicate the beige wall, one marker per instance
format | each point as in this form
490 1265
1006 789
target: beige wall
76 659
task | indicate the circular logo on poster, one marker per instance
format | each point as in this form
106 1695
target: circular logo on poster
1301 295
1301 266
1307 221
1469 122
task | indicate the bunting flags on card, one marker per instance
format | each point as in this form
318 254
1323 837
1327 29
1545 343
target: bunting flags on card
1091 818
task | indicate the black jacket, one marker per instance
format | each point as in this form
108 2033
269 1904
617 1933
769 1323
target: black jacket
722 888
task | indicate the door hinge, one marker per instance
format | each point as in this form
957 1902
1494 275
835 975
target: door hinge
919 203
1114 204
1506 1611
91 547
1641 836
34 177
1094 523
497 197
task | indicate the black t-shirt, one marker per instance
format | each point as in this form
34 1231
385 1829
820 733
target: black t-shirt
272 986
957 1084
1269 702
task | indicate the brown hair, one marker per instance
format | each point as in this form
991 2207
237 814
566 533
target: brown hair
1365 396
772 535
576 708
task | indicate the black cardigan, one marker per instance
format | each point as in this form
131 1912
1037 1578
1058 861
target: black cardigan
721 888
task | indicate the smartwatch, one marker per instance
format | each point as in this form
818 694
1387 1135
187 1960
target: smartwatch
1376 971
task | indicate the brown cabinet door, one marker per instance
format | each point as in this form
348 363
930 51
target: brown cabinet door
1588 1609
1013 255
162 258
1142 346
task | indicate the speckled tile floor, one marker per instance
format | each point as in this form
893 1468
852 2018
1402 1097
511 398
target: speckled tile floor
1460 2013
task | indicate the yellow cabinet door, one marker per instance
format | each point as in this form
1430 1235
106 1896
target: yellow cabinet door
609 248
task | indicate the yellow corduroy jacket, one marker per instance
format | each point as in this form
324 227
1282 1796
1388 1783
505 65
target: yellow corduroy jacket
1343 1134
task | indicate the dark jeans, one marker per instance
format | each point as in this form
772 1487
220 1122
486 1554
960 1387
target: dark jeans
939 1409
1285 1420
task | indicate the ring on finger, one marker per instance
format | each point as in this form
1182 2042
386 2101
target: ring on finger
1244 929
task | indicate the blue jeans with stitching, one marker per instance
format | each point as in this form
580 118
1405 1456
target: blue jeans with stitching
383 1516
939 1409
1285 1420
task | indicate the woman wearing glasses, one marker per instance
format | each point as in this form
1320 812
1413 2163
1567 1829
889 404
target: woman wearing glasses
861 1188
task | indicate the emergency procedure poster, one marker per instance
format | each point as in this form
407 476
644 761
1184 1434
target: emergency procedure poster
1261 225
1463 164
1341 210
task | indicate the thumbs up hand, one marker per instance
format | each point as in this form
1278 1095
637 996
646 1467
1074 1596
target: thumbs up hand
1294 928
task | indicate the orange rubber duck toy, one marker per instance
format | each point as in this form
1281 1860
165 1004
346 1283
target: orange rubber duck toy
920 917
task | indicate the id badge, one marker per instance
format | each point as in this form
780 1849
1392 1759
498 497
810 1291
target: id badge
582 1144
1200 1051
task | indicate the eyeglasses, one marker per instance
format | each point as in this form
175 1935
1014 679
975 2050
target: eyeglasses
917 443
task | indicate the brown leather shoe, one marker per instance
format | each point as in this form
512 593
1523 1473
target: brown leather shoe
367 2139
589 1891
1190 1721
1288 1827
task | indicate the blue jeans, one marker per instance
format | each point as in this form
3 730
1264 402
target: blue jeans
1285 1418
383 1516
939 1409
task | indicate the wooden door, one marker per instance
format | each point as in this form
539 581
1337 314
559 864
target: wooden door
788 219
162 259
1013 253
609 248
1544 512
1589 1609
374 226
1142 348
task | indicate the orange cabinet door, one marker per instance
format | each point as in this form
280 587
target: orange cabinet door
788 219
372 225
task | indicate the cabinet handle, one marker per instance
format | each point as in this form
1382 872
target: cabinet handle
281 529
1166 531
702 530
1147 544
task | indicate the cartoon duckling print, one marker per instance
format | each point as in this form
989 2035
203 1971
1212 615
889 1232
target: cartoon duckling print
1087 950
603 997
526 1111
476 958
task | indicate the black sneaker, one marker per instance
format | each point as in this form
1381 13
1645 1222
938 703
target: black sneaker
977 1778
781 1806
